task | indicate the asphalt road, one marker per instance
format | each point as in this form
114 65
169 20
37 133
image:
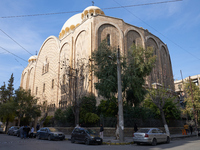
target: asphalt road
14 143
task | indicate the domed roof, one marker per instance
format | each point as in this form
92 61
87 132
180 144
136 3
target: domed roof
91 7
77 19
74 20
32 58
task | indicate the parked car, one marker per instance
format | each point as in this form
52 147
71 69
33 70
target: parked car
150 136
50 133
13 130
87 136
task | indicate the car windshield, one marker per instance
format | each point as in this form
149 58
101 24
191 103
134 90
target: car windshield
90 131
53 129
143 131
16 128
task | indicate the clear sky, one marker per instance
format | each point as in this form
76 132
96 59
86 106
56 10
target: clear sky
176 23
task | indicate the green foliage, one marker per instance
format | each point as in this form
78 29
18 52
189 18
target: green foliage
138 112
189 102
170 108
91 118
7 111
48 121
88 107
138 64
105 70
135 66
108 108
64 116
26 104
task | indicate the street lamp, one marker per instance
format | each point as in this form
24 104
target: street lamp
120 102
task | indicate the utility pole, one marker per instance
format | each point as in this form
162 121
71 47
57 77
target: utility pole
120 102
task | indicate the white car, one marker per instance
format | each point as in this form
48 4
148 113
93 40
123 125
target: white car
150 136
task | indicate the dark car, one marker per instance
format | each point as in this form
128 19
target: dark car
50 133
87 136
13 130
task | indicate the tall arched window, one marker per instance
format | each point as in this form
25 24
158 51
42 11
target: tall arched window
108 39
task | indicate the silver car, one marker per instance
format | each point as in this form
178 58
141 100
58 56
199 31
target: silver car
150 136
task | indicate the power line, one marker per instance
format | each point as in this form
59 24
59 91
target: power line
15 41
158 31
78 11
13 54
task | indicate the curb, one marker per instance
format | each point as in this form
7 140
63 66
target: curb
109 143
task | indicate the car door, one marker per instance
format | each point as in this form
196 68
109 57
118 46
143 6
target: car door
82 135
156 135
46 133
42 133
75 134
163 136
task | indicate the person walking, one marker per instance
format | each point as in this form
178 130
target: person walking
101 131
191 129
37 127
135 127
32 130
186 127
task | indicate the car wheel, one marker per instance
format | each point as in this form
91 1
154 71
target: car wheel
49 137
38 136
87 142
72 140
168 140
138 143
100 143
154 142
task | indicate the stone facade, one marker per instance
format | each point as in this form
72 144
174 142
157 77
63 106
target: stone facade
51 74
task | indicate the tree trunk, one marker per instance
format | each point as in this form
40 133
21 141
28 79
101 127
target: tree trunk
76 115
7 121
164 121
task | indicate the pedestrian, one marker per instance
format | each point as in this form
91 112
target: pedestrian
32 130
117 132
25 132
135 127
101 131
191 129
21 131
37 127
186 127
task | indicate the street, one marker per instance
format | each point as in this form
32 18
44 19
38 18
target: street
14 143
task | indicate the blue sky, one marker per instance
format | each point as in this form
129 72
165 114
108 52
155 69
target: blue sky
175 23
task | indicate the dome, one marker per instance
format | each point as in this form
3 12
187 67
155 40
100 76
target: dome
77 19
91 11
32 58
70 24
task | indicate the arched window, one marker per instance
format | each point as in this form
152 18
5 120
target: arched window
108 39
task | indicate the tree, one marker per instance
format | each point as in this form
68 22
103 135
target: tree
135 66
105 69
88 109
171 109
139 63
6 94
26 105
108 108
159 96
192 100
77 85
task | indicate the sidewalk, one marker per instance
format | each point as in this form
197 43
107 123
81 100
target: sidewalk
129 140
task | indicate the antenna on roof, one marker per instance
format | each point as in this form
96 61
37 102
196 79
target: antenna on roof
92 3
36 53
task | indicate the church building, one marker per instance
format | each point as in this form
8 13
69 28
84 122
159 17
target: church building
51 74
